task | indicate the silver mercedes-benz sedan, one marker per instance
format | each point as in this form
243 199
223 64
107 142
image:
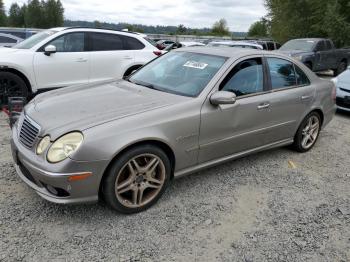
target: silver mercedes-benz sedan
123 141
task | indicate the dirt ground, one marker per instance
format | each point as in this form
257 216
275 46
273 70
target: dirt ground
273 206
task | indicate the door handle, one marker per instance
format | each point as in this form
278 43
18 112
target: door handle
127 57
305 97
263 106
81 60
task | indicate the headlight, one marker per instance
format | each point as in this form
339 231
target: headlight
298 58
43 144
64 147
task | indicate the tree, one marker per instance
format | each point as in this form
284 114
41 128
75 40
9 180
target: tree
181 29
3 16
16 16
310 18
34 14
220 28
258 29
53 14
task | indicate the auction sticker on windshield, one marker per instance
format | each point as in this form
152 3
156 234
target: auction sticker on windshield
194 64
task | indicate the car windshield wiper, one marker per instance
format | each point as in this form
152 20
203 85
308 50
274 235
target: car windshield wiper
144 84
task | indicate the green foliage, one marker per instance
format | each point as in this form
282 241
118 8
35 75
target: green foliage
3 17
310 18
16 16
53 13
220 28
44 14
258 29
181 29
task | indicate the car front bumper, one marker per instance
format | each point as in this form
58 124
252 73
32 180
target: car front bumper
343 99
53 181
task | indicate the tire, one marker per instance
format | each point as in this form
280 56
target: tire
129 187
307 129
11 85
341 68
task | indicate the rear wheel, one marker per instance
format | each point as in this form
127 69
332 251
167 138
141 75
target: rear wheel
308 132
11 85
341 68
137 179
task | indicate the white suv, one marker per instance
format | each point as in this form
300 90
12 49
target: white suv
61 57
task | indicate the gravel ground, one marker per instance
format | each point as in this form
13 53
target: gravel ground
259 208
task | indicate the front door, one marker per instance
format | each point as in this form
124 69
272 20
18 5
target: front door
230 129
68 66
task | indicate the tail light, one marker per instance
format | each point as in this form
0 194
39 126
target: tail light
157 53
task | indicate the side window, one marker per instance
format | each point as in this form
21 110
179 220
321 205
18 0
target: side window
278 46
281 72
73 42
270 46
245 78
320 46
106 42
4 39
328 45
302 79
131 43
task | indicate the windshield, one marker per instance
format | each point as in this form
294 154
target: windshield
303 45
33 40
182 73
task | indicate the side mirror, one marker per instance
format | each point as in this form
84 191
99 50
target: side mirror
50 49
223 98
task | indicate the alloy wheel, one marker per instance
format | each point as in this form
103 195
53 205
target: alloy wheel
140 180
310 132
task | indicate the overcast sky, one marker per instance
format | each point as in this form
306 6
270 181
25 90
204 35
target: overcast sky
192 13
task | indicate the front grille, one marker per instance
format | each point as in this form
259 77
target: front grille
342 102
29 132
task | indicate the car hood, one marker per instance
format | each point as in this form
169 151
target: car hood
82 107
294 52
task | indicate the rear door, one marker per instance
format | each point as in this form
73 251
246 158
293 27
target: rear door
290 98
110 57
68 66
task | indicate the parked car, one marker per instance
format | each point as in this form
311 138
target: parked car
162 44
239 44
189 109
318 54
22 33
269 45
61 57
343 90
7 40
182 44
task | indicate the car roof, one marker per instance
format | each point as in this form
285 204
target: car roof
223 51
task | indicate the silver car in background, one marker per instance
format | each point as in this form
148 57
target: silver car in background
190 109
343 90
237 44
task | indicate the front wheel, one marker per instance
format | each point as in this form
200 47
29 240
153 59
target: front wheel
11 85
308 132
137 179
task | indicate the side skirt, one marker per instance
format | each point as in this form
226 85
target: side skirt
215 162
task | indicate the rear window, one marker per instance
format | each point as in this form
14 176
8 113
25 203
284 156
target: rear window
131 43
